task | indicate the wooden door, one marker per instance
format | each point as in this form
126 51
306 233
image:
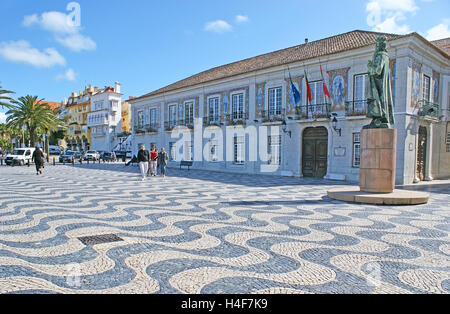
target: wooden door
422 153
315 152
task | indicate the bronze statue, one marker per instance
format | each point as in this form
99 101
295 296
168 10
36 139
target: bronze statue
378 90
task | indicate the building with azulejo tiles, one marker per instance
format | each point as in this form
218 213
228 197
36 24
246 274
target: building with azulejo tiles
243 117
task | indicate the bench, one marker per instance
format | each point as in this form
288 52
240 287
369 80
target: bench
185 163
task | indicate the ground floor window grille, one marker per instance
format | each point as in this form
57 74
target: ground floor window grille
189 149
356 150
213 151
239 150
448 142
172 151
274 149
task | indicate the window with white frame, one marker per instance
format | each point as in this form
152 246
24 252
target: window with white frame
317 93
426 88
189 112
141 119
154 117
98 105
172 151
172 115
237 106
188 155
274 149
213 150
275 101
239 150
356 150
359 92
213 109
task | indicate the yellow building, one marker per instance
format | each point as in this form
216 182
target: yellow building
126 117
76 110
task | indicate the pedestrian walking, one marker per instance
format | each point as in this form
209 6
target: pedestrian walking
163 157
38 159
153 161
143 158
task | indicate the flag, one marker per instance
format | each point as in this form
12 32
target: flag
308 88
325 88
295 91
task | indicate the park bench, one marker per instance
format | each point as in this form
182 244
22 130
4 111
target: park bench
185 163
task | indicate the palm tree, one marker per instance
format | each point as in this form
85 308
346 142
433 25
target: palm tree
32 114
4 98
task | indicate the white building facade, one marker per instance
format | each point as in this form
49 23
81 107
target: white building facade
243 117
104 119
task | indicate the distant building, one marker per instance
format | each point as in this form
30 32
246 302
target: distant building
250 104
126 117
105 118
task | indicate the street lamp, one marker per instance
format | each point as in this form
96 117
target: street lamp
334 123
284 128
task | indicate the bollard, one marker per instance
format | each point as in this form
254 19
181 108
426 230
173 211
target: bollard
28 163
73 161
81 161
54 161
88 161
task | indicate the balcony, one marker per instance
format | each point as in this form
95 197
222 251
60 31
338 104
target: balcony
237 118
148 128
313 112
428 109
273 115
356 108
212 120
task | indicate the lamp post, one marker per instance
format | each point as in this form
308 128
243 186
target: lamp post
334 123
284 128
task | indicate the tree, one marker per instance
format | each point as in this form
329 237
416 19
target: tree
36 116
5 99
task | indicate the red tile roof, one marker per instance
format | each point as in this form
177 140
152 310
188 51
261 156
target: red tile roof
53 105
444 44
324 47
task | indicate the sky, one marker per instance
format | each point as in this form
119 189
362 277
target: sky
51 48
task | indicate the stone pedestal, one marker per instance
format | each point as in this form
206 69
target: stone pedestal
378 160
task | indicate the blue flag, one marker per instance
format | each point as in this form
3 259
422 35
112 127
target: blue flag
295 91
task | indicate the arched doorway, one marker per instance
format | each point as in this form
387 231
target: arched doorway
422 153
315 152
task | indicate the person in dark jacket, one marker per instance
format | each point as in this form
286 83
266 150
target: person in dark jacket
143 159
38 159
163 157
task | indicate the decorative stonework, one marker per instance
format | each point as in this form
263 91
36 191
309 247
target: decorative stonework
435 86
416 81
260 99
393 68
338 81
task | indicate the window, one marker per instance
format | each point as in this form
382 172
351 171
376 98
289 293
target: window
274 149
172 115
172 151
356 150
426 88
213 109
153 117
448 142
141 119
189 113
239 150
317 93
189 149
275 103
213 147
359 92
237 106
98 105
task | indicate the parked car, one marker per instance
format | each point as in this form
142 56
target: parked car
54 150
70 156
107 156
91 155
20 156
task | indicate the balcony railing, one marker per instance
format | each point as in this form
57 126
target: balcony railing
356 108
236 118
429 109
317 111
212 120
147 128
273 115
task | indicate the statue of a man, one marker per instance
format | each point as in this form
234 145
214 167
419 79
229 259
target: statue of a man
378 90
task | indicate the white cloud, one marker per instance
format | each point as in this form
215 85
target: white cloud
439 31
22 52
218 26
386 15
77 42
70 75
62 26
241 19
2 117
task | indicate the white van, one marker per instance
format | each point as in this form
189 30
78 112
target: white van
20 156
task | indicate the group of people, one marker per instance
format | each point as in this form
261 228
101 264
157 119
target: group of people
150 160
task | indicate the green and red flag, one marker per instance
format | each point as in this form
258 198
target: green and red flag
325 88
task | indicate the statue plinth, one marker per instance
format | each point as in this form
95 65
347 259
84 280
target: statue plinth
378 160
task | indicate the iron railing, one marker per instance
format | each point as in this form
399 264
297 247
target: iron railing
356 108
316 111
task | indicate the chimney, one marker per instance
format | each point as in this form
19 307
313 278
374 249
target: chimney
74 95
306 40
117 87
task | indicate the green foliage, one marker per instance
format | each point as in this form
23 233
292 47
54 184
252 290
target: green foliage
5 145
4 99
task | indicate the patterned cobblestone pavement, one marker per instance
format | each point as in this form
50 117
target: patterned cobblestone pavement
203 232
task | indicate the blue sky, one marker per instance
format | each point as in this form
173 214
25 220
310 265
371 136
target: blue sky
146 44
